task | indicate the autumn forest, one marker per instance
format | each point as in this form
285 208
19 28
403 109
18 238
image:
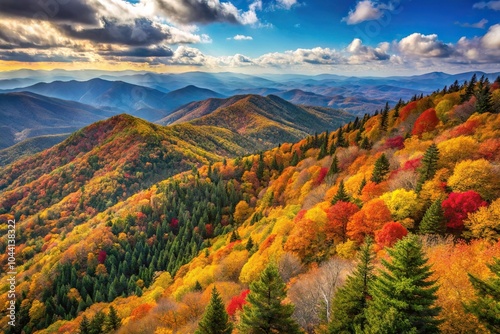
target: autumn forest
240 222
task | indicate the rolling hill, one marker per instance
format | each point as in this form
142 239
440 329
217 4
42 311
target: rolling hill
119 96
25 115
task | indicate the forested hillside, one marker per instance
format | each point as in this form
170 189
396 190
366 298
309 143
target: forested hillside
374 226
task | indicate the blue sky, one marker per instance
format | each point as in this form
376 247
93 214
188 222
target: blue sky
375 37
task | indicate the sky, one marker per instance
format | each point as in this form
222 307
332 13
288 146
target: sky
360 38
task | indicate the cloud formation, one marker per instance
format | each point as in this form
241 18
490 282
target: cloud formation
424 46
242 38
365 10
494 5
480 25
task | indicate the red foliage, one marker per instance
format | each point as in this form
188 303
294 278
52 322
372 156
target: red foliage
141 310
269 240
412 164
209 228
174 223
102 256
395 142
321 176
237 302
339 215
425 122
465 129
389 234
458 205
407 110
300 215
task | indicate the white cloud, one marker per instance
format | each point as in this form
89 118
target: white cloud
287 4
480 25
365 10
242 38
492 38
494 5
361 54
424 46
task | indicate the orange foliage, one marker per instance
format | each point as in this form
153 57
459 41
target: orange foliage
142 310
339 215
407 110
370 218
389 234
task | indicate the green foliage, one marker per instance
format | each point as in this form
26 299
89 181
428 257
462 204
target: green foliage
486 307
483 98
351 300
341 194
215 320
265 312
380 169
429 166
433 221
84 325
403 296
334 167
112 321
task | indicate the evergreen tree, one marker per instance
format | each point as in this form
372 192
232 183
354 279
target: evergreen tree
215 320
469 89
85 325
402 295
96 324
265 312
334 167
384 117
341 194
433 221
365 144
250 244
341 142
197 286
483 97
429 166
350 302
487 305
295 159
380 169
112 322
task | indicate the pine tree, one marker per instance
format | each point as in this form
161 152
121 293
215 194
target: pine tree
84 325
295 159
265 312
215 320
112 322
384 117
429 166
469 89
250 244
487 305
341 194
402 296
96 325
361 186
365 144
334 167
380 169
350 302
433 221
341 142
483 97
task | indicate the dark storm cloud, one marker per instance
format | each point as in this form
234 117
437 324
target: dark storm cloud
77 11
197 11
141 33
143 52
39 57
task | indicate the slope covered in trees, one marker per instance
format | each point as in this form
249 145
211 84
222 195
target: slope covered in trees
305 208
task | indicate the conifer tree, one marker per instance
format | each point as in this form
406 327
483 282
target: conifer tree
350 302
380 169
403 297
469 89
341 194
334 167
384 117
215 320
250 244
112 321
487 305
84 325
341 142
295 159
365 144
433 221
265 312
362 185
483 97
429 166
96 324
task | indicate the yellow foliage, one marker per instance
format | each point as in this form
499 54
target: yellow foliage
347 250
478 175
442 109
402 203
434 189
352 184
485 223
456 149
316 214
37 310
